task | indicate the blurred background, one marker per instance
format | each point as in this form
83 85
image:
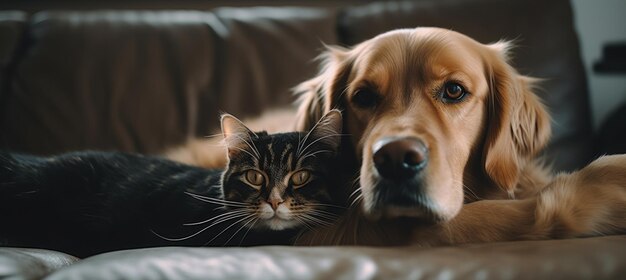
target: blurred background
597 22
147 75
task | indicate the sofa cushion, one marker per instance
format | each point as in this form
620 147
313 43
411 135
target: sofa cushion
592 258
18 263
547 48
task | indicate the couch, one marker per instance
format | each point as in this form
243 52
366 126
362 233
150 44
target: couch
144 81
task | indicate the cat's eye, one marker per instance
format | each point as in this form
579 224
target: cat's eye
255 178
300 178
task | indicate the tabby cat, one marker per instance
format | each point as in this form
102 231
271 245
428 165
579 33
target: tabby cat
85 203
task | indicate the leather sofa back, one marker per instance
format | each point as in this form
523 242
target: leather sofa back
142 81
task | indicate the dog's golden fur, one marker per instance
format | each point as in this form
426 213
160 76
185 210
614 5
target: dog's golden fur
482 181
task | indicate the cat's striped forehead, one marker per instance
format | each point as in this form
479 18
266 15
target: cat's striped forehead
279 151
262 149
278 154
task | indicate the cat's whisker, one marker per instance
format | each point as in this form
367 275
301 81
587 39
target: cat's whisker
307 220
326 205
356 200
318 223
177 239
312 154
240 228
213 199
325 217
469 192
318 214
254 147
303 222
165 238
315 141
355 192
356 180
302 141
299 144
306 211
297 239
222 202
247 231
223 219
317 220
330 214
228 227
243 150
250 144
217 217
200 231
213 135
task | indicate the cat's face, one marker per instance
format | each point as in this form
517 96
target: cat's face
282 180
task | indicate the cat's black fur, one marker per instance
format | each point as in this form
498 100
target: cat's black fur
84 203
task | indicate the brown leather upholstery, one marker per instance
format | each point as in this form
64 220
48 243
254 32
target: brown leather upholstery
144 81
108 80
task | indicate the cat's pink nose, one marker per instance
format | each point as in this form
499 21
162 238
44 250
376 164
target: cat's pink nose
275 202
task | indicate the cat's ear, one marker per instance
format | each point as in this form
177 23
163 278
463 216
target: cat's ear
234 131
327 130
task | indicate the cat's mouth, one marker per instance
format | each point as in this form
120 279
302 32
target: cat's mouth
277 223
276 219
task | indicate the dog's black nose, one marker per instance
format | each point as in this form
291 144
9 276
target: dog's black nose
399 158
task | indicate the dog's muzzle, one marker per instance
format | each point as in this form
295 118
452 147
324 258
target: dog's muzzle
400 164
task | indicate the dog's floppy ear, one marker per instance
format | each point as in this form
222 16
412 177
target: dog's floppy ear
518 124
322 93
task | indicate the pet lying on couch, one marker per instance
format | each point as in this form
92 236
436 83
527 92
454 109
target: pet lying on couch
85 203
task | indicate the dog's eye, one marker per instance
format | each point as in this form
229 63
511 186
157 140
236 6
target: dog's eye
452 92
365 98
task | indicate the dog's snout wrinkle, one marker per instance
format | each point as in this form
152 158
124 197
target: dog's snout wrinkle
399 158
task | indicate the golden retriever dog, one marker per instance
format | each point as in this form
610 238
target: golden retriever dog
444 133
